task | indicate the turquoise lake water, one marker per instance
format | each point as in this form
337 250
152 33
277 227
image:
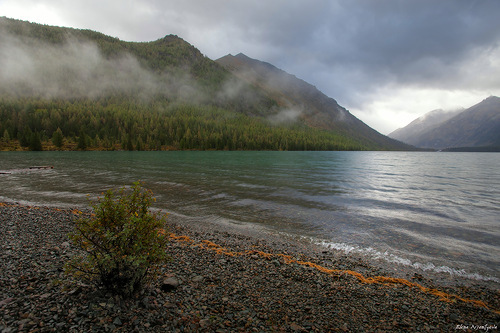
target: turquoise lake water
435 212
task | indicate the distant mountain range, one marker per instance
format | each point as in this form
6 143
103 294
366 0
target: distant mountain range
64 88
412 132
475 129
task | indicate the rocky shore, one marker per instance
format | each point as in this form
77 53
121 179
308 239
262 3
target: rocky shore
222 280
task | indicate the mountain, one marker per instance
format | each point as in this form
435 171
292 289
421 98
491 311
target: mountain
300 100
411 133
475 128
54 62
64 88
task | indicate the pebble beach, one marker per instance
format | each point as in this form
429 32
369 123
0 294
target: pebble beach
222 279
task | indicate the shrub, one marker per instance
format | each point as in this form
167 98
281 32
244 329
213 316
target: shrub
123 242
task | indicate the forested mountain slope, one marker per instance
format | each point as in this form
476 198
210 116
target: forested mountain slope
301 100
63 88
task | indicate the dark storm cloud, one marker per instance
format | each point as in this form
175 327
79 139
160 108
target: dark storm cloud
400 40
419 43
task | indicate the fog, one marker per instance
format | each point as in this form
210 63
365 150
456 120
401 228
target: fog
236 87
69 70
440 114
78 69
286 116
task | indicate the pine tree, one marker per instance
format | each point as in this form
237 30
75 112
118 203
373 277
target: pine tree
82 142
35 142
6 136
58 138
130 145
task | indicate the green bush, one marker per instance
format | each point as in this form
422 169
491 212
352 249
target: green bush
123 242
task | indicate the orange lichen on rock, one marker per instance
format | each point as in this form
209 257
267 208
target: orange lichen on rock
383 280
181 238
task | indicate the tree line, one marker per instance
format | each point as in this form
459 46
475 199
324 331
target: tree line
118 123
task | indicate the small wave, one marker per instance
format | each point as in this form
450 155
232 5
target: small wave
173 184
394 259
59 194
252 186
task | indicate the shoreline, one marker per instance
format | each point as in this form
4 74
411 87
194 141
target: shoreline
314 248
257 290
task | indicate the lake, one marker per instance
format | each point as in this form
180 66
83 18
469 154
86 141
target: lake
436 212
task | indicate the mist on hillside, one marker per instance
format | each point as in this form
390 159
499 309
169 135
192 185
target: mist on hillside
286 116
441 114
78 69
297 99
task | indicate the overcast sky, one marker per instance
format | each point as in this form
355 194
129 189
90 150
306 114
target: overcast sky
386 61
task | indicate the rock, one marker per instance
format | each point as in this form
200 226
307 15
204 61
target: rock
169 305
117 321
6 301
75 291
197 278
6 329
417 277
308 325
169 284
296 328
65 245
145 302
